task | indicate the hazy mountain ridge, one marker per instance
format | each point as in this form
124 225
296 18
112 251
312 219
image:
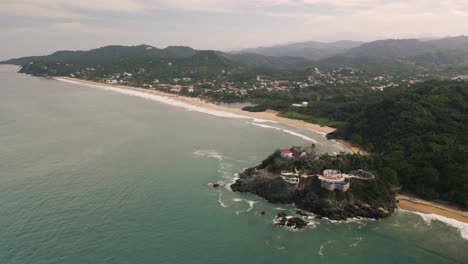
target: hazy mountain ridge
117 52
451 50
312 50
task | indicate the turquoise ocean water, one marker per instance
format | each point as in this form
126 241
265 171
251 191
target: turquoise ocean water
89 175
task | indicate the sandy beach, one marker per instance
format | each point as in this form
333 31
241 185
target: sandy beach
406 202
418 205
267 115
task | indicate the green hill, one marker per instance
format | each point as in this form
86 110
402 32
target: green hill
421 132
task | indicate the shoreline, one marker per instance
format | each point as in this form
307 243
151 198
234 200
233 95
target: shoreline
415 204
269 115
426 209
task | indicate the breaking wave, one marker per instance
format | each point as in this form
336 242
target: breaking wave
460 226
249 202
209 154
288 132
220 201
168 101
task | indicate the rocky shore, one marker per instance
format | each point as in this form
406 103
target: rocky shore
362 200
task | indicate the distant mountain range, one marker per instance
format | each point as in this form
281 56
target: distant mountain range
442 50
310 50
408 48
451 51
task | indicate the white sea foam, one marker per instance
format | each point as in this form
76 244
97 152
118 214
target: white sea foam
220 201
322 247
279 208
460 226
225 170
321 250
249 202
209 154
357 241
350 220
235 177
288 132
300 136
169 101
189 107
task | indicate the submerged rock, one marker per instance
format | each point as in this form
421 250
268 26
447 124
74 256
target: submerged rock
214 184
299 212
260 213
282 219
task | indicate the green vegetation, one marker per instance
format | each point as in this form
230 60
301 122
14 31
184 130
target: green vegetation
421 132
417 126
380 189
256 108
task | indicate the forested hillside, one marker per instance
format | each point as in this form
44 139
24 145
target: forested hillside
421 131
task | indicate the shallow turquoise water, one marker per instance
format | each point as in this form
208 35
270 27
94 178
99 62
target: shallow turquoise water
92 176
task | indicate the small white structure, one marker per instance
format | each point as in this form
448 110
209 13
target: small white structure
286 153
291 180
334 180
332 185
332 174
111 81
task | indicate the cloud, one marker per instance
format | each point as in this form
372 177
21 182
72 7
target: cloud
66 9
218 24
280 8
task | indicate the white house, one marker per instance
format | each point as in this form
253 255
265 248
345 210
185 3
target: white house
286 153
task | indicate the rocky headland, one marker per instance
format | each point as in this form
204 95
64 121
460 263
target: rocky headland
373 198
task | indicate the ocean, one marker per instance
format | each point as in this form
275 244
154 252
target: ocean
93 175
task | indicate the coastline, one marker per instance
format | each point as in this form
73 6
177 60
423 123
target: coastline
269 115
425 209
415 204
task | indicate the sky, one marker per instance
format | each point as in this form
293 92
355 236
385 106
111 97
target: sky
38 27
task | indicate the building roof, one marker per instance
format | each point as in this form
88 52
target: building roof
285 151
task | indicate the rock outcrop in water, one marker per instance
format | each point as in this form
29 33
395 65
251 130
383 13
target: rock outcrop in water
365 198
282 219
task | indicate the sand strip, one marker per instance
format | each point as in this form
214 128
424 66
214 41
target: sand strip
418 205
405 201
268 115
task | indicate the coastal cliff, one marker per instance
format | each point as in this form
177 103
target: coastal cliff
369 198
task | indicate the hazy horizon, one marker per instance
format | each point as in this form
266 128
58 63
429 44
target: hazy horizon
41 27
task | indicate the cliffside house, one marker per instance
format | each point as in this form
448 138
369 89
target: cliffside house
333 180
342 186
286 153
291 180
333 174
